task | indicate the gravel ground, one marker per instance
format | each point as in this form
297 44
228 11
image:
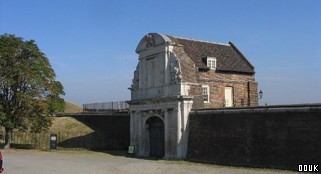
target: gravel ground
71 162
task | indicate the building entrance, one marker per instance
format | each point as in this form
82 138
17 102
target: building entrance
156 137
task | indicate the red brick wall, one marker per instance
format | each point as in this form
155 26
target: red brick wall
245 91
244 88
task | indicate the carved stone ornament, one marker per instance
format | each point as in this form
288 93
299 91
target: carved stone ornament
135 82
149 40
152 113
175 71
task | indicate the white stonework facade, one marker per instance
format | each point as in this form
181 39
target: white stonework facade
160 101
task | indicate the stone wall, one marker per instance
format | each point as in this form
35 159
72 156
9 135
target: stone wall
268 137
114 127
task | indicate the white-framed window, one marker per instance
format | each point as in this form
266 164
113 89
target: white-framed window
211 62
206 93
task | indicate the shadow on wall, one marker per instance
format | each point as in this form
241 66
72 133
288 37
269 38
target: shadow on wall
268 138
110 133
92 141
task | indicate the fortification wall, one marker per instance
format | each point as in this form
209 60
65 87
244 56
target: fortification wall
269 137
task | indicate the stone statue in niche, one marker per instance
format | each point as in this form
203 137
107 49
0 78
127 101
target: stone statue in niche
135 82
175 71
149 40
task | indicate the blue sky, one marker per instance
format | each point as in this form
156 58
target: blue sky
91 44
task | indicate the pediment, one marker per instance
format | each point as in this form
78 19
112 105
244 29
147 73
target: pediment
152 40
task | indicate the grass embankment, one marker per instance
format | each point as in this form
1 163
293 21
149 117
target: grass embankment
66 127
69 124
72 108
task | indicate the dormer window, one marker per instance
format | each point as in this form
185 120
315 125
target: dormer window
211 62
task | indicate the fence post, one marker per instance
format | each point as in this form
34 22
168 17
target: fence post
59 140
112 106
34 140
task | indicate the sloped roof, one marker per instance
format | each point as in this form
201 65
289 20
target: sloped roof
228 57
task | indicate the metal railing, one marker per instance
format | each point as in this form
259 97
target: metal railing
118 106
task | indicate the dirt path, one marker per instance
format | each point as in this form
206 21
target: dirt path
36 162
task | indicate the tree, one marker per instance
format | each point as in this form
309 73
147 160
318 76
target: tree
29 93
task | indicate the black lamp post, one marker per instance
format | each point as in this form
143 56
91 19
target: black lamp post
261 94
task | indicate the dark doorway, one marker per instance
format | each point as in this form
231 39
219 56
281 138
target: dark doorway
156 137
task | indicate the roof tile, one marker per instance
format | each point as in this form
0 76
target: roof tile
228 57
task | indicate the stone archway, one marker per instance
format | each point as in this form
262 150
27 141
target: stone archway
156 137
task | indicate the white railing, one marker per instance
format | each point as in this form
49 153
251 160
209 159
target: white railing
119 106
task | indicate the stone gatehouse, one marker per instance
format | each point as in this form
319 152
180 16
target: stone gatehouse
175 75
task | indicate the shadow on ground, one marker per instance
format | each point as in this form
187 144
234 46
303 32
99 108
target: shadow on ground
19 146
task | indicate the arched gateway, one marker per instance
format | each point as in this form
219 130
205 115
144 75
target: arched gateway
156 137
160 102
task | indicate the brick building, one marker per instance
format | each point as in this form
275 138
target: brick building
175 75
224 75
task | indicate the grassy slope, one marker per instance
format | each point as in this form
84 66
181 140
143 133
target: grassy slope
72 108
69 124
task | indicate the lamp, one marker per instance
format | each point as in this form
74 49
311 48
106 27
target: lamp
261 94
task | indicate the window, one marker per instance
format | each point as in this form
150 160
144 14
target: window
211 62
205 93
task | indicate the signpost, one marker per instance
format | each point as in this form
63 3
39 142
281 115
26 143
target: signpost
53 141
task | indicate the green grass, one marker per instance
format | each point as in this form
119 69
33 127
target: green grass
72 108
68 124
